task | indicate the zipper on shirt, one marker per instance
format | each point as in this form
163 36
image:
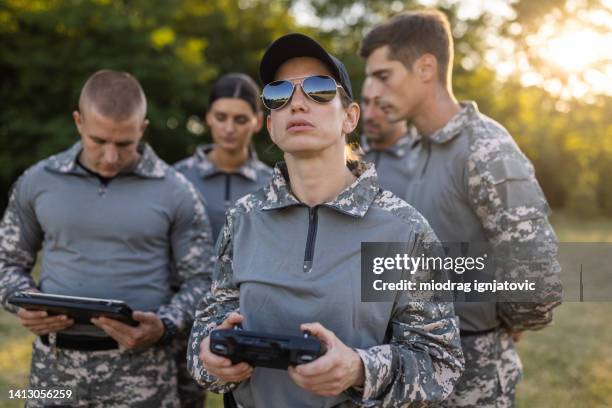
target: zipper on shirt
427 146
228 189
376 158
103 181
103 186
313 220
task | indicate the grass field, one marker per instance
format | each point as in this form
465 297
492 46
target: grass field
570 363
566 365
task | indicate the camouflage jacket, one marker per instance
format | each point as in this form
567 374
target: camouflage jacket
119 238
393 165
221 189
400 149
281 263
473 184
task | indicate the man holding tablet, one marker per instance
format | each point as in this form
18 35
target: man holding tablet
111 220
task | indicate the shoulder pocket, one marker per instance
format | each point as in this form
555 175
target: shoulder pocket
508 169
515 184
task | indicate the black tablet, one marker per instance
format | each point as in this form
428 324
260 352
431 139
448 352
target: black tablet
81 309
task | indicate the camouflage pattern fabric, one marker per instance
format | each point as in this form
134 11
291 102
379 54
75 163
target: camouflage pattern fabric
191 394
220 188
21 237
211 183
511 206
113 378
400 149
423 358
506 197
492 371
252 169
16 258
493 188
474 183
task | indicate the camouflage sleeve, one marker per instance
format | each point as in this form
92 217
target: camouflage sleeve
513 211
20 239
193 255
213 310
423 359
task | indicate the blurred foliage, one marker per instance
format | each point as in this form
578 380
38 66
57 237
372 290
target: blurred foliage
569 142
176 48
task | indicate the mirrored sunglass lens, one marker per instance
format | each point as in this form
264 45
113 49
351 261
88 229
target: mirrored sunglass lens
276 94
320 88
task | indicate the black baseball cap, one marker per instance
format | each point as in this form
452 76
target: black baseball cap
299 45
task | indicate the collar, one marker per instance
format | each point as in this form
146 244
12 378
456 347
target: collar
355 200
458 122
399 149
249 169
149 165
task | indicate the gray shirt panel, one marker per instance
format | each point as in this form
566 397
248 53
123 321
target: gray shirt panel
106 241
437 188
432 178
393 171
109 240
276 295
393 164
221 189
117 239
265 271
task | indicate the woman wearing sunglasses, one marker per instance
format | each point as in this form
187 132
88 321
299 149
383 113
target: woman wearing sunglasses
289 261
228 169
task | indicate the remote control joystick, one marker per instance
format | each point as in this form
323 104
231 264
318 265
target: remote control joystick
306 358
220 348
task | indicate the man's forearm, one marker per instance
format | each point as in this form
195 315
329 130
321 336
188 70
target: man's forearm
182 306
12 280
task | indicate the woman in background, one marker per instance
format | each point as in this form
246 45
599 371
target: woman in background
228 169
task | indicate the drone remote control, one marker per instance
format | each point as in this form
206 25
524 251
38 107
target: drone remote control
265 350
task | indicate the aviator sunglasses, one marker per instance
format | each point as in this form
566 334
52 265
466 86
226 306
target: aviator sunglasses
319 88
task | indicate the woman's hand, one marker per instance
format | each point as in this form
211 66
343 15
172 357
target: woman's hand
222 367
335 371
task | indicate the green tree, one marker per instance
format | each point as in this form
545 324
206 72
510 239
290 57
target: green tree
175 48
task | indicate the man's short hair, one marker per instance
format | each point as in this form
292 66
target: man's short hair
411 35
114 94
